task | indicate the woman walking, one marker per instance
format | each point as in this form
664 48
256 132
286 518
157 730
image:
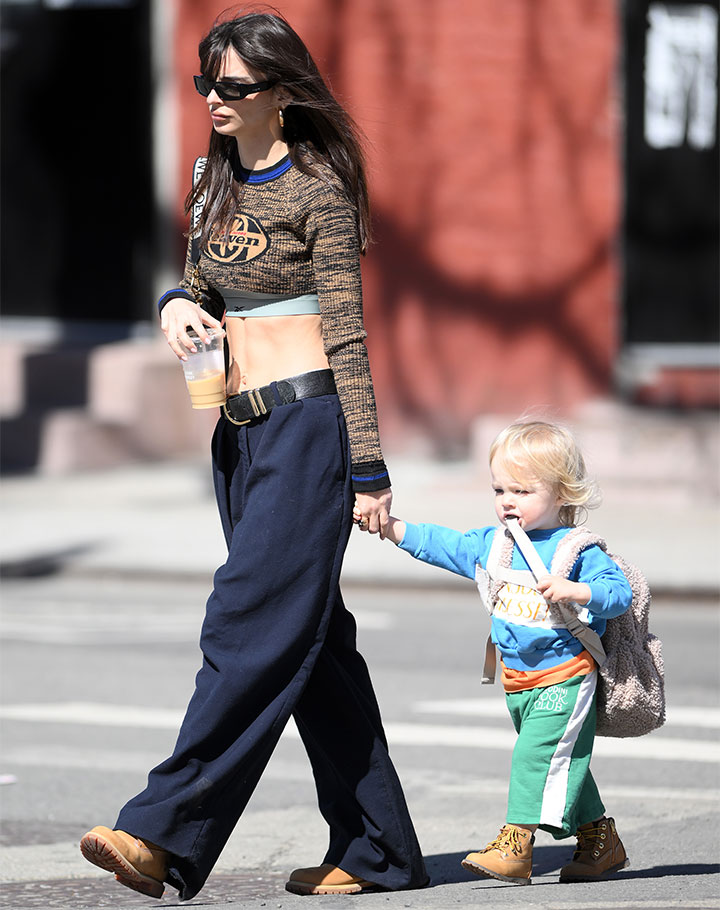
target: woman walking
284 220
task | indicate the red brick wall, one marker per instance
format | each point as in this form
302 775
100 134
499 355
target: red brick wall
495 182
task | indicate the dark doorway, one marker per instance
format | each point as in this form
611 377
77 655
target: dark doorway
76 176
672 196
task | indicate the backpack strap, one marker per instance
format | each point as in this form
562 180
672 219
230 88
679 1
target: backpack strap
585 635
489 664
207 297
571 546
527 548
485 576
488 583
198 170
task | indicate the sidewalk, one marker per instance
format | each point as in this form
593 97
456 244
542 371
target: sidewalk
160 519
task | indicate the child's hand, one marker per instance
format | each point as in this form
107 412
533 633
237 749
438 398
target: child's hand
361 522
374 511
557 589
395 528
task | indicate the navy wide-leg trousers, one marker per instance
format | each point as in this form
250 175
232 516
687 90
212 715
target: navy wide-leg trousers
277 640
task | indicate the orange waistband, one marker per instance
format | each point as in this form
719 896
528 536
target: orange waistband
518 680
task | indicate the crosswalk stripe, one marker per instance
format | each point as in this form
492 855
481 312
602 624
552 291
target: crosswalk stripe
297 769
677 715
85 630
654 747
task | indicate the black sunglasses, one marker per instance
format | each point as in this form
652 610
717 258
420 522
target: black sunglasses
230 91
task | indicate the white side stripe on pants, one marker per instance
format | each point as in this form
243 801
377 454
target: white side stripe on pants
555 792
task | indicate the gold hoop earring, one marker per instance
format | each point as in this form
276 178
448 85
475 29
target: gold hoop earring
281 118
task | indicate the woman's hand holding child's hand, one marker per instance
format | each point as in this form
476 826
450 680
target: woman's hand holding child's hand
372 511
393 529
557 590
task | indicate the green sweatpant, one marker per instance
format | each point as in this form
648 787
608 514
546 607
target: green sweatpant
550 781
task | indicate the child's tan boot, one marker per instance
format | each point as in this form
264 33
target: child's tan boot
508 857
599 853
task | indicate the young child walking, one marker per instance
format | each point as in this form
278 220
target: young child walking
539 478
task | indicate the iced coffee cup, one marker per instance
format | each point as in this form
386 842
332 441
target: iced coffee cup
205 370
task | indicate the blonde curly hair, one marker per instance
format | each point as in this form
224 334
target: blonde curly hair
549 452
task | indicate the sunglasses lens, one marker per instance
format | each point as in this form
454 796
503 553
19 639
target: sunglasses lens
228 91
202 85
232 91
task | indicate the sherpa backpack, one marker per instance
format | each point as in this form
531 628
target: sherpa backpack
631 678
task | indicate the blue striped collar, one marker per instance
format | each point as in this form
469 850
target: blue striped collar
265 174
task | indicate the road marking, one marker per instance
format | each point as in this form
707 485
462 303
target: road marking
493 786
677 715
493 706
103 628
179 630
126 761
95 715
654 747
446 783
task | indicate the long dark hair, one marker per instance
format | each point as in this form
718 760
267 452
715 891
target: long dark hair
319 133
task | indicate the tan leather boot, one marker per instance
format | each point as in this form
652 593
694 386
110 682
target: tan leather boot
599 853
325 879
508 857
137 864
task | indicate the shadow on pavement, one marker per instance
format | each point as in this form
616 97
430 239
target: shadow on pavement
662 871
445 868
42 565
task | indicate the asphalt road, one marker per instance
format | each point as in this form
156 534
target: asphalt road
96 673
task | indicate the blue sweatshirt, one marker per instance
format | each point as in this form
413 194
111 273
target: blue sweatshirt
525 637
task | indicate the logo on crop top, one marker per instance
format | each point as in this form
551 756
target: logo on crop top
246 240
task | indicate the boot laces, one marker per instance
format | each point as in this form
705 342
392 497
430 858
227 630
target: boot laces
508 840
591 840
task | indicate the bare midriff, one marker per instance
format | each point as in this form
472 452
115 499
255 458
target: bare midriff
267 348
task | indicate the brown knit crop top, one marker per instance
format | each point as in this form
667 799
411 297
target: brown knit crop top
296 235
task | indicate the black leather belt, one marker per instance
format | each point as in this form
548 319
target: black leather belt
241 409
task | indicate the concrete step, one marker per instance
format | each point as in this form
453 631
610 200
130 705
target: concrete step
72 408
69 407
